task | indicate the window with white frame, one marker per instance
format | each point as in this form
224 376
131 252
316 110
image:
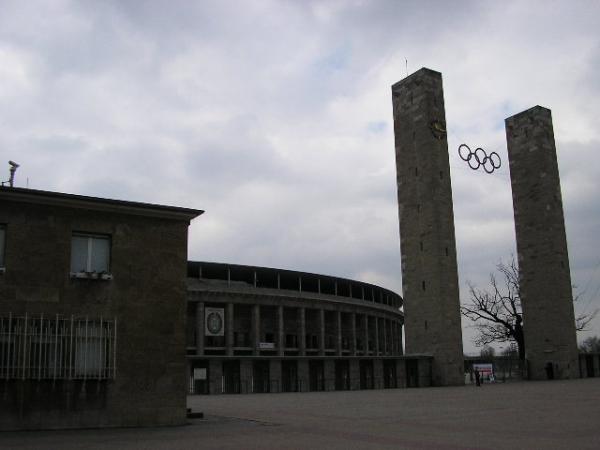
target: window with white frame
2 245
90 254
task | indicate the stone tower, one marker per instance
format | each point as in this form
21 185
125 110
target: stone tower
428 247
545 279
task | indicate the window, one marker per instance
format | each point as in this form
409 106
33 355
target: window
2 239
90 256
291 340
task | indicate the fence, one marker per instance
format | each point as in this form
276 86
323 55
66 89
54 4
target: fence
38 347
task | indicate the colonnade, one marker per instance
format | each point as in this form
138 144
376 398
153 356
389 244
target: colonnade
355 333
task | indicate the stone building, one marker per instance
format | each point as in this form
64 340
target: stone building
545 277
256 329
92 311
589 365
428 246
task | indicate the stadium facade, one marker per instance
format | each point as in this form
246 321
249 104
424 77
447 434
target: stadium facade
256 329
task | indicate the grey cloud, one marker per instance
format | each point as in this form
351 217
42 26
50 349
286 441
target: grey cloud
275 117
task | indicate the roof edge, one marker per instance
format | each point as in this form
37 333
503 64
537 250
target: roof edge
36 196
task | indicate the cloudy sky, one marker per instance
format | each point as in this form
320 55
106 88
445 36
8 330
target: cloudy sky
276 118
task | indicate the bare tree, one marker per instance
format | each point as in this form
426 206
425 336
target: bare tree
583 319
497 312
488 353
590 345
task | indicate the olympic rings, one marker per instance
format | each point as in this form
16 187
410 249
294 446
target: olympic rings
479 157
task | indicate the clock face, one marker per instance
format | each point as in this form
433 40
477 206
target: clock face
214 323
438 129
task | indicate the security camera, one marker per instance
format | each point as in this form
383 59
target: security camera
12 170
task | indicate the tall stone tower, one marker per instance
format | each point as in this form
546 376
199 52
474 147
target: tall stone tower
428 246
545 278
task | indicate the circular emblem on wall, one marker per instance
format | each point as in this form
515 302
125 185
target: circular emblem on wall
214 323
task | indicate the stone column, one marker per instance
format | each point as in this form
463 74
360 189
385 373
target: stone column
280 331
275 375
401 339
229 329
256 329
378 374
544 274
366 334
321 332
394 338
376 336
215 377
338 344
426 214
353 334
302 323
385 337
246 374
401 373
303 376
354 374
329 375
200 328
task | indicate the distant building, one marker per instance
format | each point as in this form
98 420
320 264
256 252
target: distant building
92 311
589 365
256 329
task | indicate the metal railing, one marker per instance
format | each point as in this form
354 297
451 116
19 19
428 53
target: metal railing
57 348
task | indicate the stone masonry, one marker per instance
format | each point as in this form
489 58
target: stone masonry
145 296
545 280
428 247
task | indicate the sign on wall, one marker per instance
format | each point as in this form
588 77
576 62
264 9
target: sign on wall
199 373
214 322
484 369
266 345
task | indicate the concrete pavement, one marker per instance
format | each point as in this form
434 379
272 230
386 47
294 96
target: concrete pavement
531 415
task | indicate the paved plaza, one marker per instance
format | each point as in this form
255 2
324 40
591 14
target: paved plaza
528 415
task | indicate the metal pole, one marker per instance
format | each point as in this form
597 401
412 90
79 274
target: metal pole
40 347
71 351
100 345
55 346
8 361
115 353
85 349
24 347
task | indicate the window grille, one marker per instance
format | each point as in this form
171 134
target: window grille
57 348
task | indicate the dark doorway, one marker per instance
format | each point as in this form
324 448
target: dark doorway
231 377
316 375
589 365
412 373
366 374
549 371
199 377
342 375
289 376
260 377
389 374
